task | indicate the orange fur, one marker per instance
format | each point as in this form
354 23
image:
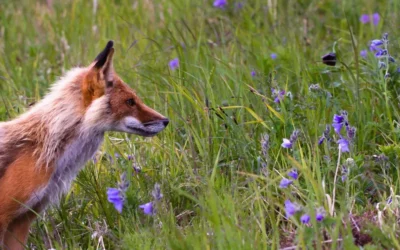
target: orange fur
19 182
42 151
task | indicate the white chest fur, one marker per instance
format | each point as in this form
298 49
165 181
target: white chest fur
68 166
71 162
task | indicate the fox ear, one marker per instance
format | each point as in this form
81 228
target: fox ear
104 63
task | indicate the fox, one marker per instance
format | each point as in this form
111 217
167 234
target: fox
43 149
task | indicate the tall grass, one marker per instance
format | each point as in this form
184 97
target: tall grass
220 191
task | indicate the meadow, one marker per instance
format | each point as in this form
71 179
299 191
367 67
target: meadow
274 142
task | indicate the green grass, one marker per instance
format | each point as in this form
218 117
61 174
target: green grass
220 191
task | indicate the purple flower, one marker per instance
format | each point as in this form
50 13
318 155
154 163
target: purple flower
148 208
274 56
278 94
382 52
293 173
376 42
174 64
344 177
337 124
364 18
320 214
343 145
291 208
351 132
253 73
115 196
286 143
374 45
321 140
364 53
285 183
375 19
305 218
220 3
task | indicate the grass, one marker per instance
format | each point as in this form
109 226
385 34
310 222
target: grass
220 190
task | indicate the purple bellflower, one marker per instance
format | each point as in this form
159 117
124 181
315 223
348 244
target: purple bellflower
291 208
220 3
174 64
305 218
293 174
285 183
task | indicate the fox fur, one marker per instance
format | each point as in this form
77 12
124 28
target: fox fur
42 151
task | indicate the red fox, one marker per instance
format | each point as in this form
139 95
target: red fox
42 151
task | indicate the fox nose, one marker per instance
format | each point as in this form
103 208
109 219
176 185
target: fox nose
165 122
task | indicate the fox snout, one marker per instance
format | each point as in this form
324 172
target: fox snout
132 125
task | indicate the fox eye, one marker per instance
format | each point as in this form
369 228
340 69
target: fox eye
130 102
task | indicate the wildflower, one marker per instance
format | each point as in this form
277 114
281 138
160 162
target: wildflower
375 19
338 122
115 196
351 132
293 173
265 144
253 73
174 64
344 173
364 18
278 94
325 135
343 145
220 3
295 134
286 143
285 183
314 87
363 53
382 52
376 42
381 65
329 59
305 218
148 208
375 45
274 56
123 184
320 214
291 208
321 140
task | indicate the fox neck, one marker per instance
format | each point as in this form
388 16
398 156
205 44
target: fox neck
59 130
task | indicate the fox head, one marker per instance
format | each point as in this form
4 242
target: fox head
111 105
